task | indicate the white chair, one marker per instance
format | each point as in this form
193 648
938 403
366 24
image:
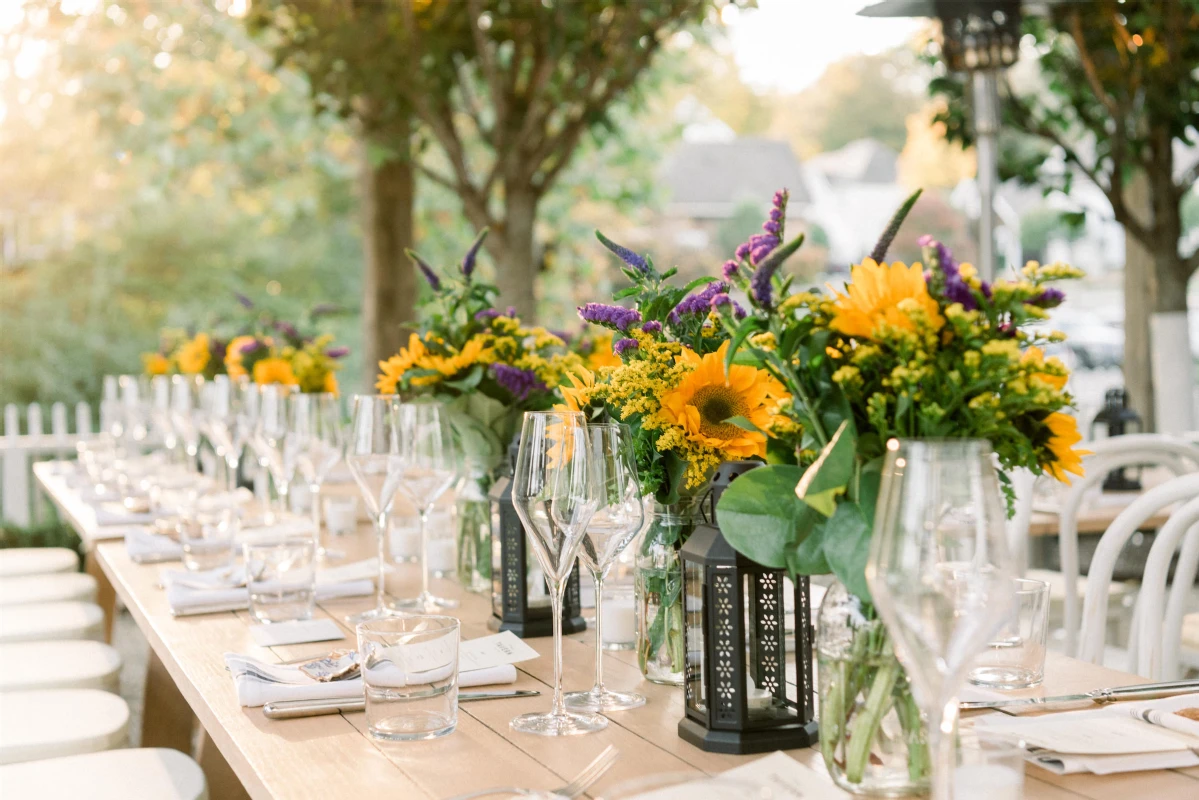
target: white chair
52 588
72 664
1121 451
1103 563
149 774
60 722
42 621
1157 645
37 561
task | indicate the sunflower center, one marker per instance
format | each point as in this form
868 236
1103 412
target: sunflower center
716 404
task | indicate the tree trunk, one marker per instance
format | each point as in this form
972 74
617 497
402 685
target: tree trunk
1139 301
389 288
516 267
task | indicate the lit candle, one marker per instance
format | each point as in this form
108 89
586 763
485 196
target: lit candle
405 540
619 623
341 515
992 781
441 555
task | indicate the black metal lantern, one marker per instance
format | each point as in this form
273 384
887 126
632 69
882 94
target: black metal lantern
738 694
520 599
1118 419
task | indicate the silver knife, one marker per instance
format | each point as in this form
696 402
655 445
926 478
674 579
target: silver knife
291 709
1145 691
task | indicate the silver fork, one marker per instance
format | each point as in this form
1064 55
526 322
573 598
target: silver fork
581 783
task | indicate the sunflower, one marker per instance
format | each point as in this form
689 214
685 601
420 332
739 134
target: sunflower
155 364
705 399
1034 358
1063 435
330 383
234 355
882 297
602 354
579 397
392 370
274 370
452 365
194 355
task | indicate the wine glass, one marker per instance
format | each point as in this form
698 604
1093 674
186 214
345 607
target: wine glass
373 458
555 497
248 402
271 435
160 387
318 438
429 468
220 424
185 412
135 407
940 574
617 521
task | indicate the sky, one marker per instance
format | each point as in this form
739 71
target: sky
785 45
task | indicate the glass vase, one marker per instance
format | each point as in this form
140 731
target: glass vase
658 595
871 734
473 518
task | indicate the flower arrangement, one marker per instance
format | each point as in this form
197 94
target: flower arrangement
185 353
309 362
899 351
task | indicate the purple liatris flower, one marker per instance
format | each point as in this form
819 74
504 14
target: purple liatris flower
487 314
624 345
426 270
609 316
244 300
468 261
337 352
723 299
1049 298
729 270
742 251
287 329
956 289
624 254
699 302
653 326
519 382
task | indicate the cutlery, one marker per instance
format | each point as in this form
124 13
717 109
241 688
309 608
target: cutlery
291 709
581 783
1145 691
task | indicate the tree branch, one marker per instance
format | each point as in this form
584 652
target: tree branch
436 176
489 68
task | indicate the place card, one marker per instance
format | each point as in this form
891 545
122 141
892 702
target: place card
777 775
295 632
495 650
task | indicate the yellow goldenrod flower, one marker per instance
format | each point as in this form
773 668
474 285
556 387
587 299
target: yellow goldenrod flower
1034 359
881 298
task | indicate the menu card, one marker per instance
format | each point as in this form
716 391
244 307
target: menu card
779 774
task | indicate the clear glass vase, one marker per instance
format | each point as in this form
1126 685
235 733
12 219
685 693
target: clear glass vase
873 740
658 595
473 519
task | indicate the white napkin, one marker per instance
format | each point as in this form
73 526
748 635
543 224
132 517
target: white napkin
226 594
289 683
145 547
294 526
116 514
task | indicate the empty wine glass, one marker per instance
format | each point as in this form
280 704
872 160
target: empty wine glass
373 458
940 573
135 406
185 411
318 439
617 521
160 387
555 497
248 402
220 423
273 442
429 468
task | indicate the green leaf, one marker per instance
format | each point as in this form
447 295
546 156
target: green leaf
830 473
743 423
760 516
468 381
628 291
847 546
869 480
697 283
808 558
748 325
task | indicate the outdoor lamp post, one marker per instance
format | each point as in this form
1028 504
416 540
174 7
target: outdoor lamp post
736 691
979 37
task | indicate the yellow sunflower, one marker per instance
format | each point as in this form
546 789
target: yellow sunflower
193 356
1063 435
452 365
234 356
706 398
274 370
1034 358
392 370
582 381
155 364
881 297
602 354
330 383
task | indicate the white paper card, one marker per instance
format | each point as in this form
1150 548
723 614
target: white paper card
785 778
493 651
295 632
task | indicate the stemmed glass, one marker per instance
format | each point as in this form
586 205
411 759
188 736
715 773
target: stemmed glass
617 521
220 424
160 387
272 440
185 412
373 458
318 439
246 414
429 468
940 574
135 406
555 496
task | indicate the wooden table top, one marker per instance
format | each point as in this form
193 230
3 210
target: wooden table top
332 756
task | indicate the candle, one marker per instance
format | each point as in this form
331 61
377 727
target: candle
405 540
992 781
441 555
619 624
341 515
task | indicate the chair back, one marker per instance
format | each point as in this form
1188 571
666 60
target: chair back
1156 649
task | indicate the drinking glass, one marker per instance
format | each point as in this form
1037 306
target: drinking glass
410 674
555 498
373 458
273 441
318 439
160 388
246 413
220 423
281 578
185 413
1016 658
617 521
135 405
940 574
207 538
428 469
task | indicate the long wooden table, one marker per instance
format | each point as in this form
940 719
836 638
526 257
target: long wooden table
332 756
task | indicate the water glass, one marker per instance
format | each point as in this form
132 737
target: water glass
618 617
341 515
281 577
410 673
207 539
1016 658
990 767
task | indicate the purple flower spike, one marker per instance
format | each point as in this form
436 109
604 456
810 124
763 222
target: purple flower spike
742 251
698 303
337 352
487 314
609 316
519 382
729 270
510 311
653 326
468 261
426 270
251 347
776 215
762 246
287 329
771 226
1049 298
624 254
721 299
624 345
245 301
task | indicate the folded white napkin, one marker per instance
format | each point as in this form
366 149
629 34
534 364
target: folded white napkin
225 591
146 547
289 683
116 514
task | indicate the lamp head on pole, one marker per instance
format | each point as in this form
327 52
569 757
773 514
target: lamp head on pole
975 34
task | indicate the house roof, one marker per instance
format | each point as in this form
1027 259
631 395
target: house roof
860 161
710 179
